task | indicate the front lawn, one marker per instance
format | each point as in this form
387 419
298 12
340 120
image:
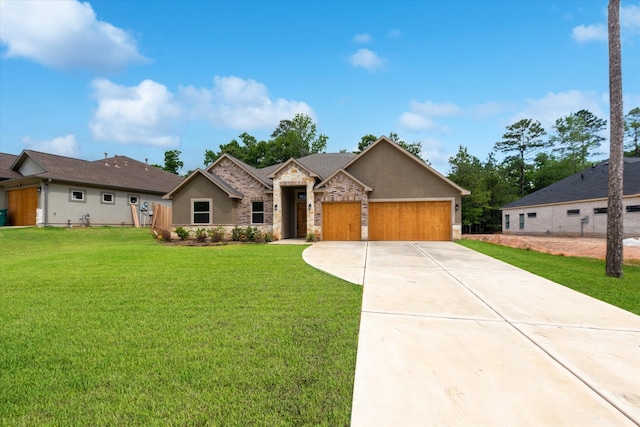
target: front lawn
104 326
586 275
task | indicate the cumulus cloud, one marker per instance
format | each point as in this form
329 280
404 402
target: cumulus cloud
587 33
140 114
65 35
420 115
629 24
362 38
556 105
62 145
367 59
238 103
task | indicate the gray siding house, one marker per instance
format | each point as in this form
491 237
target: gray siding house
576 205
383 193
49 190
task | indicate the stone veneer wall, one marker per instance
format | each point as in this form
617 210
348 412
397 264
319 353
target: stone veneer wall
289 177
341 188
252 189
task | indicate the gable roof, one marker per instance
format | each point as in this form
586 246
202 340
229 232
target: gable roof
591 183
117 172
213 178
385 140
259 174
364 186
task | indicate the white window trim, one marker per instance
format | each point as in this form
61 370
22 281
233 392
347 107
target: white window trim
76 190
210 212
113 198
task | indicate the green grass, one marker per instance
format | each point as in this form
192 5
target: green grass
104 326
586 275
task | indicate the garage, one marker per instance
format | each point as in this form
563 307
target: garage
341 221
419 220
22 206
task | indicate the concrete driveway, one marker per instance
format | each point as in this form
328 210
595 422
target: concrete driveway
451 337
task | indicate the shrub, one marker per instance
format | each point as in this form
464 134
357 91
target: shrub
251 232
216 234
200 234
182 232
311 237
238 234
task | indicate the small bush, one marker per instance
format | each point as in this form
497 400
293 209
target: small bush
216 234
238 234
200 234
311 237
182 232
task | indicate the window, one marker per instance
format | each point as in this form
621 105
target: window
76 195
532 214
201 211
633 208
108 198
573 212
521 221
600 211
134 200
506 222
257 212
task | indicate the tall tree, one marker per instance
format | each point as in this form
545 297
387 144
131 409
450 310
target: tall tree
523 137
172 162
577 137
614 255
299 137
365 142
632 129
467 171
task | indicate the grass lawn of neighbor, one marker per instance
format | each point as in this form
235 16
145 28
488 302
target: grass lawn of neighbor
586 275
105 326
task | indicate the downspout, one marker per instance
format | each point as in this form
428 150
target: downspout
46 202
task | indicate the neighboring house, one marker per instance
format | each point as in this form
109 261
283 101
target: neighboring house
576 205
383 193
49 190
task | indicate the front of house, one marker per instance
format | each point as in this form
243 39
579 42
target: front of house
383 193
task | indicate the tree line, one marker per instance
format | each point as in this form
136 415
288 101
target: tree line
533 158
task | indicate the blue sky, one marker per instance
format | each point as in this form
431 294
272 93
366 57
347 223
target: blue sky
138 78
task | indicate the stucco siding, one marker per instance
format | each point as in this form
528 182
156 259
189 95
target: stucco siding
559 221
224 211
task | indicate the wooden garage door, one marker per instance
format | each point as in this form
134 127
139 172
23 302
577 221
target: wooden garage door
22 206
341 221
410 220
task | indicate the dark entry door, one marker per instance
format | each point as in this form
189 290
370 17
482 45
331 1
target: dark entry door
301 219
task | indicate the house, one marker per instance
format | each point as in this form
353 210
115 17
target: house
576 205
383 193
49 190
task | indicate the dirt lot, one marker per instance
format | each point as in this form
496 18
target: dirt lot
568 246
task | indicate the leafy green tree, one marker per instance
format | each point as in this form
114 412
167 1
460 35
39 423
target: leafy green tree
172 162
548 169
632 130
298 138
365 142
467 171
577 137
523 137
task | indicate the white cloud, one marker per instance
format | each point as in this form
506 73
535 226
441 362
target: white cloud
62 145
65 35
367 59
362 38
137 114
393 34
587 33
420 115
237 103
556 105
630 18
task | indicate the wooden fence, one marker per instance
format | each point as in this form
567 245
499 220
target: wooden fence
161 222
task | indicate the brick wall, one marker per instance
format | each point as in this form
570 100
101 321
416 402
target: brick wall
341 188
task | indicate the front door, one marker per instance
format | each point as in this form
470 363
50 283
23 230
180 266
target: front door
301 219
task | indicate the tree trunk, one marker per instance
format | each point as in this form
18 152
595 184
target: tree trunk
616 162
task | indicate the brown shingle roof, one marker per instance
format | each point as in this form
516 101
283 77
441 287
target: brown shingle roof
6 160
118 172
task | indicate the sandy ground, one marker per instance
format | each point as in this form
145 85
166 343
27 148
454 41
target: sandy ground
568 246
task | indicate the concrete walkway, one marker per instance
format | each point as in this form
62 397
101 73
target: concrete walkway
451 337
